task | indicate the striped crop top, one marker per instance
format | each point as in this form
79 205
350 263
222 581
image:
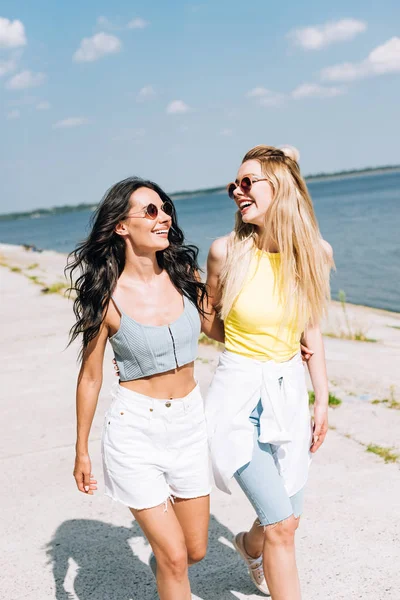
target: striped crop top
144 350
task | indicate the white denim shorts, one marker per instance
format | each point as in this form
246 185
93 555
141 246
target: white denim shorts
155 449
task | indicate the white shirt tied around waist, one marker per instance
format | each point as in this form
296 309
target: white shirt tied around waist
238 385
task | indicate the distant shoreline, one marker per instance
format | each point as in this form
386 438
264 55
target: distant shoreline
42 212
51 263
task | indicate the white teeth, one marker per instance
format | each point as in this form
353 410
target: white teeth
161 231
245 205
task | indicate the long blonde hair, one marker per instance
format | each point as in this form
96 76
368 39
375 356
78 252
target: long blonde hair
303 279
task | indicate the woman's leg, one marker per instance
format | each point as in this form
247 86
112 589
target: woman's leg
279 560
254 539
193 515
273 533
166 537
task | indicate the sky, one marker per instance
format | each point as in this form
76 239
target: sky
178 91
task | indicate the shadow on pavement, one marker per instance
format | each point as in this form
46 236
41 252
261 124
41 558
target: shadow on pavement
107 569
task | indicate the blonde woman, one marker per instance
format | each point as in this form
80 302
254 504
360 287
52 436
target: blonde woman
269 282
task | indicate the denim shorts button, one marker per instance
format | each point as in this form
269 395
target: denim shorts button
168 404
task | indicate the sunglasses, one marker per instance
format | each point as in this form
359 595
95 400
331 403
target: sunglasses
245 184
151 211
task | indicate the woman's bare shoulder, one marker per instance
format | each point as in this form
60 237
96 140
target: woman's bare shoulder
219 248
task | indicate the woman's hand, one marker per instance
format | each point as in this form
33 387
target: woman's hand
320 426
83 476
306 353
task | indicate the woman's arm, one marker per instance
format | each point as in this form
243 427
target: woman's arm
88 388
211 324
317 369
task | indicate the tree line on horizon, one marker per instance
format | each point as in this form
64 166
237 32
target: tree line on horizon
184 194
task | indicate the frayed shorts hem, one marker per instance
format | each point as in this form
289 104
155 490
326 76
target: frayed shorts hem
130 504
200 494
192 496
269 523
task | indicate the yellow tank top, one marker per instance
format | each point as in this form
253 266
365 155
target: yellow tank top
255 325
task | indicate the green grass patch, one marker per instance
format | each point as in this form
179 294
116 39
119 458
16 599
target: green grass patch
394 326
386 453
332 400
390 402
55 288
33 266
34 279
15 270
357 336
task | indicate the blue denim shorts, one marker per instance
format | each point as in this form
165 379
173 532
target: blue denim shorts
262 483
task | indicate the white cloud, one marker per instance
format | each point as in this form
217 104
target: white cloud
314 90
137 24
265 97
104 22
320 36
119 25
71 122
12 33
257 92
13 114
96 47
24 80
7 66
177 107
232 113
145 93
383 59
272 100
43 105
226 132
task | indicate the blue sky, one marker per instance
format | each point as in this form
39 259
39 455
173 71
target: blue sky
92 92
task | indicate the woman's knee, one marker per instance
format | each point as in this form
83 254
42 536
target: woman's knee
197 553
173 561
282 533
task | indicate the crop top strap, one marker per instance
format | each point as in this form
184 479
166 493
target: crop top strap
117 306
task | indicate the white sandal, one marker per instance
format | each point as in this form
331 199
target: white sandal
254 565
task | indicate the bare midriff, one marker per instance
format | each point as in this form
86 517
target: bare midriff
176 383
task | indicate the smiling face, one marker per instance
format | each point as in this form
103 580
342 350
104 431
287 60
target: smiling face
253 205
145 234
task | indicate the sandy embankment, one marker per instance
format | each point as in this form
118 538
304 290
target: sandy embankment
60 544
